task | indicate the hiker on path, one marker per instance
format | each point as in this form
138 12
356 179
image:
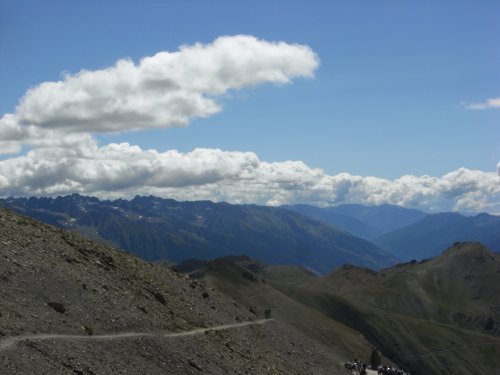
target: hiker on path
268 312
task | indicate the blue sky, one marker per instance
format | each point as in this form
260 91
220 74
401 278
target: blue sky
388 99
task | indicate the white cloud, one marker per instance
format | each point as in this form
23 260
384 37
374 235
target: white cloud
490 103
56 119
123 170
161 91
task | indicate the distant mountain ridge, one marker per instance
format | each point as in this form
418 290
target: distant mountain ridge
427 237
367 222
385 217
155 229
406 233
346 223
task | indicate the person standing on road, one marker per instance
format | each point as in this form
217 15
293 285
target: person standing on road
268 312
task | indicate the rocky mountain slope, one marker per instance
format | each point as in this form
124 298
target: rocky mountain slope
241 281
429 236
73 306
437 316
155 229
440 316
289 274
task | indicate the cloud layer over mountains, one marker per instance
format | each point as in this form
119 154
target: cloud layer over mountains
55 120
123 170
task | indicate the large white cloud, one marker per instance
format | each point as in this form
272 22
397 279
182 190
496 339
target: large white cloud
488 104
161 91
123 170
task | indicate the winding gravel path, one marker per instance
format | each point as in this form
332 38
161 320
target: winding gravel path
9 342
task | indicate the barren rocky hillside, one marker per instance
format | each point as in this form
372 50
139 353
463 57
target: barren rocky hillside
56 282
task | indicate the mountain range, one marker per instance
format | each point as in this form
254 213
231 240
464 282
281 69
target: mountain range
73 305
427 237
346 223
367 222
407 233
319 238
156 229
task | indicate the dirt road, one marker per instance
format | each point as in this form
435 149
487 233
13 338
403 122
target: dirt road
10 342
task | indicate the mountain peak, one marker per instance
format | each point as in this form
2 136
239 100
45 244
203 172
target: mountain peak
469 253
